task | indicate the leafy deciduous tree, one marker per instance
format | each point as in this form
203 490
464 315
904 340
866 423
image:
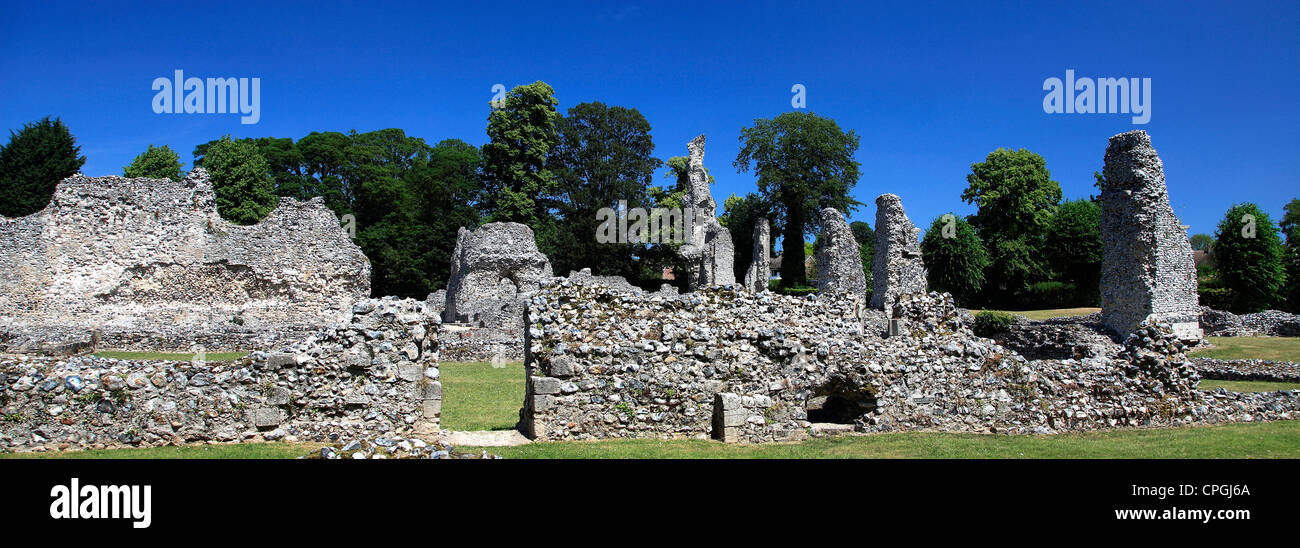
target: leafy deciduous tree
241 181
955 259
155 163
1248 257
804 163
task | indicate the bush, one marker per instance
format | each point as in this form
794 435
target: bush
991 322
797 290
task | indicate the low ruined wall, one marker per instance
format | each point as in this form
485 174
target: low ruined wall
1269 323
152 256
743 367
375 376
1247 370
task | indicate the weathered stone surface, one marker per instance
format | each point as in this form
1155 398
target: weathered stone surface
898 268
317 393
1269 323
708 251
1147 268
839 261
151 258
493 269
741 366
756 278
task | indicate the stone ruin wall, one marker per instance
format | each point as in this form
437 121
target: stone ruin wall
737 366
1147 267
839 261
375 375
708 250
898 268
149 261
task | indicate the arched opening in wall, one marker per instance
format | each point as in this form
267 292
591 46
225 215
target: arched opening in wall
840 403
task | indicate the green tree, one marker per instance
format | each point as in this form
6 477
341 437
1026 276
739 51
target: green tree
521 134
1248 258
866 238
602 156
1073 247
1292 268
1202 242
804 163
155 163
32 164
1290 220
1016 197
241 180
955 259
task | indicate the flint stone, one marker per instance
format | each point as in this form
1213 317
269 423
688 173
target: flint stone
494 269
898 268
1147 267
839 259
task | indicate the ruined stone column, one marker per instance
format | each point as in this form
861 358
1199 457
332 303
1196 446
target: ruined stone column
898 268
708 251
760 267
493 269
1147 268
839 261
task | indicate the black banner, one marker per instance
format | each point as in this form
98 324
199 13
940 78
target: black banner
306 499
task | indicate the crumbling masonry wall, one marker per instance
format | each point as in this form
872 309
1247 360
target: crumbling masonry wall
740 366
152 256
1147 268
375 375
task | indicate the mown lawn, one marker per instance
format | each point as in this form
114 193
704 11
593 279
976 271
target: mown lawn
1248 386
1257 440
477 396
173 356
1285 349
1048 313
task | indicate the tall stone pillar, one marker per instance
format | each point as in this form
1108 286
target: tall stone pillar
760 268
1147 268
898 268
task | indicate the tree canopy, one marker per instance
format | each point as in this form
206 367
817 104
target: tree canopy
241 181
804 163
37 157
1248 257
155 163
1017 198
955 258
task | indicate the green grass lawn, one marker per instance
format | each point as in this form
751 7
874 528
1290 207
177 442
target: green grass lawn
1256 440
1248 386
1285 349
174 356
477 396
1048 313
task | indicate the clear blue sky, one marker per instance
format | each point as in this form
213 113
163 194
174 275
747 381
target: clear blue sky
930 88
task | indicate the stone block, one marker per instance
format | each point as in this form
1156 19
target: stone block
546 385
